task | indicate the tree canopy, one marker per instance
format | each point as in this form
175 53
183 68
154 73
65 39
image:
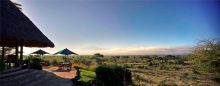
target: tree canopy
206 56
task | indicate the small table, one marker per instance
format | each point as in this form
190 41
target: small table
65 66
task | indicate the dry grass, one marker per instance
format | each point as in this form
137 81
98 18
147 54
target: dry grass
181 77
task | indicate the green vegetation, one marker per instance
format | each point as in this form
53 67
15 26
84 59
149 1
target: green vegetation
2 65
53 58
146 70
86 77
206 57
113 75
35 63
201 68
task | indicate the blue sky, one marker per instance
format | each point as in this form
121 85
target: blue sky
124 26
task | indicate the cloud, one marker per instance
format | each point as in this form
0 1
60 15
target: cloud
137 51
94 48
90 50
172 50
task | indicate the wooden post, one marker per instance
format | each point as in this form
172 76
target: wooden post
16 53
21 52
3 47
3 52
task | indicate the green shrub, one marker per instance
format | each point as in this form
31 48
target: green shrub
2 65
81 83
99 60
167 83
35 63
86 77
80 66
54 62
206 57
113 75
98 55
140 66
92 67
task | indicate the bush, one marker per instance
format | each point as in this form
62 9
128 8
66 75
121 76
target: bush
206 57
46 63
141 66
2 65
167 83
99 60
35 63
92 68
98 55
86 78
86 61
113 75
54 62
80 66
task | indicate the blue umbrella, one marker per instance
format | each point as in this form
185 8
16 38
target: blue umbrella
40 52
66 52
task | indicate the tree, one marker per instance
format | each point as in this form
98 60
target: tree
206 56
7 50
113 75
98 55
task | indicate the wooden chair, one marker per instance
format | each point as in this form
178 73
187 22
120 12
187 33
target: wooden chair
12 59
69 66
60 66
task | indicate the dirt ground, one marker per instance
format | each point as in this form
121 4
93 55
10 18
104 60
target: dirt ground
62 73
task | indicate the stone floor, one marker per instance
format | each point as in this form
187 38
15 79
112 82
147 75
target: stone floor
31 77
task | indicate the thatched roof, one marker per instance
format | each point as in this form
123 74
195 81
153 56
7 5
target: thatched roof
14 25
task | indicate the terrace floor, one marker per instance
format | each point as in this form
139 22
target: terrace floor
31 77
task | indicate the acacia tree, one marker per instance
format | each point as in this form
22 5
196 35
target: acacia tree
206 56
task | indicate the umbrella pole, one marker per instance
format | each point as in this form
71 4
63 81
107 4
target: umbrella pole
65 58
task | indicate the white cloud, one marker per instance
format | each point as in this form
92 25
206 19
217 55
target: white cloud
121 51
137 51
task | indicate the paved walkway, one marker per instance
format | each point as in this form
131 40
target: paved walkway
64 74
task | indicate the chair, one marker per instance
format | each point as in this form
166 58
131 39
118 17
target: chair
12 59
60 66
69 66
